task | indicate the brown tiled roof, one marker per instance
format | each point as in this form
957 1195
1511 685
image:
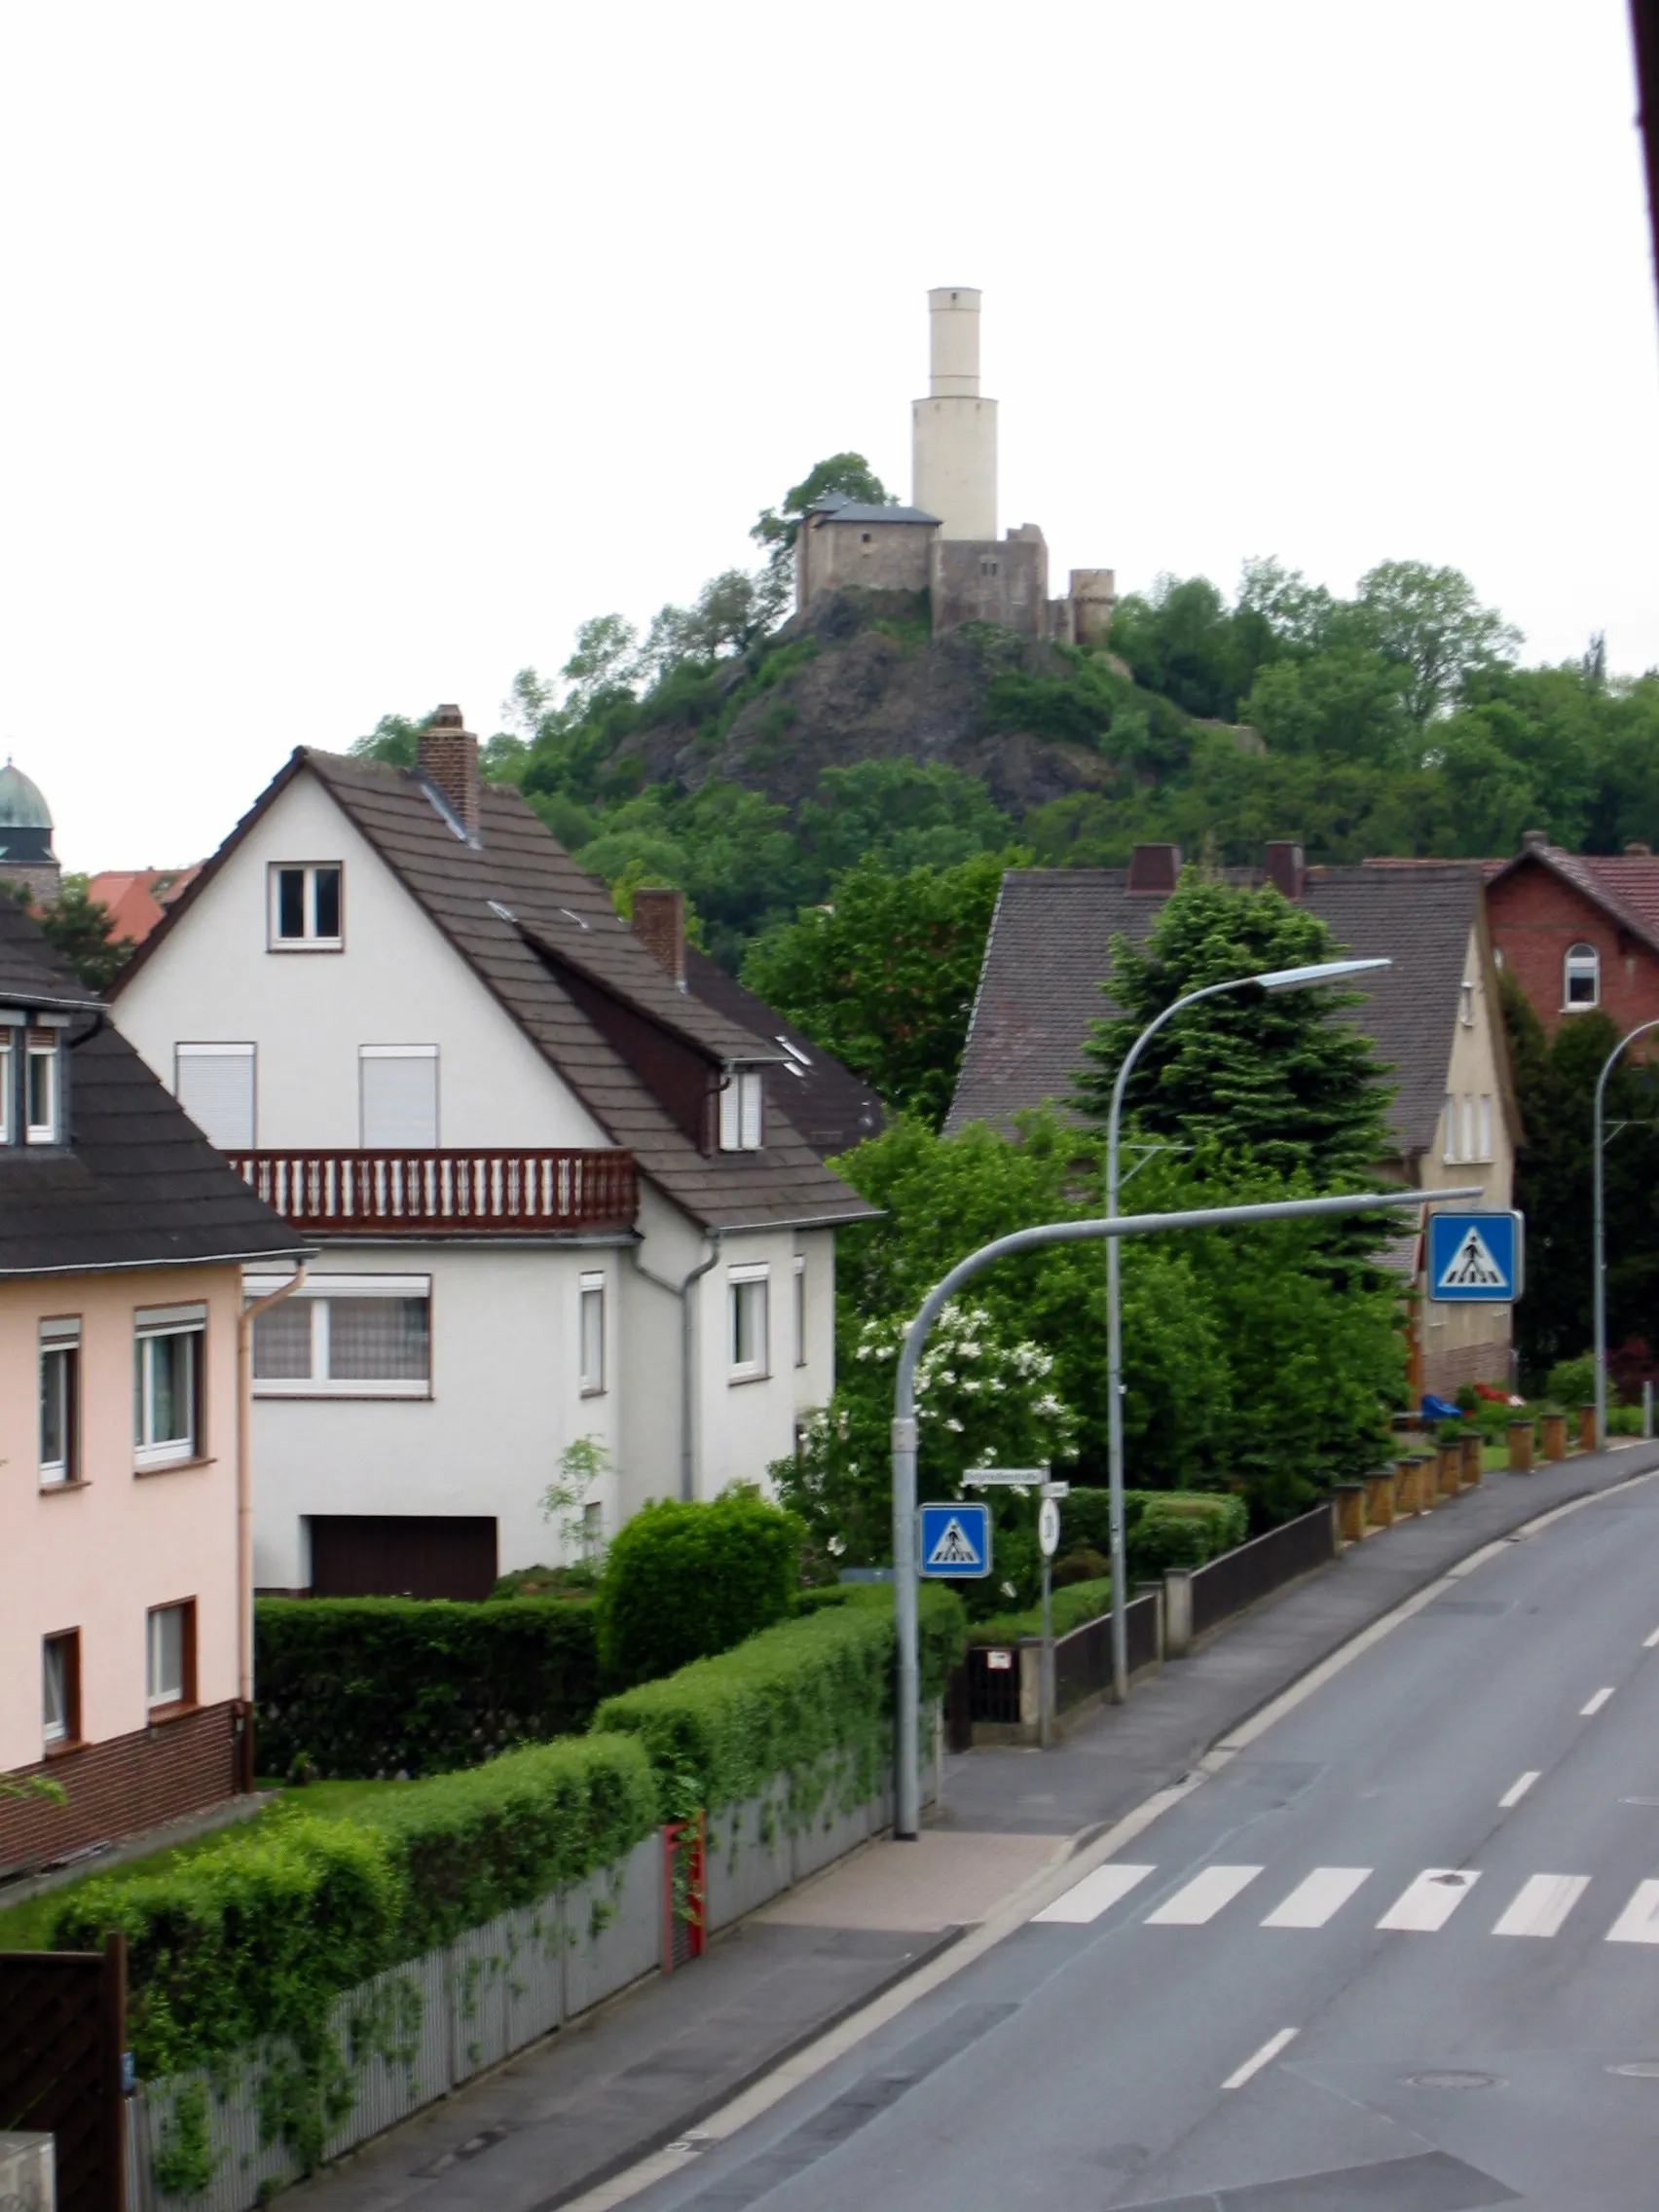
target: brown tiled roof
1050 947
1623 885
500 902
832 1108
136 1185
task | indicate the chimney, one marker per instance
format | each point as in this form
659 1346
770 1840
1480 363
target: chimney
659 924
1155 867
1535 840
448 758
1282 858
1639 849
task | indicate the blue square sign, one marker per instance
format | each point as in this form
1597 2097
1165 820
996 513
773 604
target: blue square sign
1474 1259
955 1542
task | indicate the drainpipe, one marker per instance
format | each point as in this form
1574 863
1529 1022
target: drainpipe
687 1350
244 1505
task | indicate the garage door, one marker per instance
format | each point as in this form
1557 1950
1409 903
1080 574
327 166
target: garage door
398 1555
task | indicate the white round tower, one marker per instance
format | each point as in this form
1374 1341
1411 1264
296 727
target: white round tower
954 430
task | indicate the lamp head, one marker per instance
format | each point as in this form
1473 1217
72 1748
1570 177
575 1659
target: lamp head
1321 972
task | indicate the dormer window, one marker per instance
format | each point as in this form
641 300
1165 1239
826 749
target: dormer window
741 1111
41 1087
306 906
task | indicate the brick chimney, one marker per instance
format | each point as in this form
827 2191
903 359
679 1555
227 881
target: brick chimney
1535 840
1639 849
1155 867
659 924
1281 857
449 761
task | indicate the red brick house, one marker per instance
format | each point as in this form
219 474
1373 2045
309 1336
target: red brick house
1578 931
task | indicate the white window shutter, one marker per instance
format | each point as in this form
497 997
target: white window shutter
400 1099
752 1094
215 1089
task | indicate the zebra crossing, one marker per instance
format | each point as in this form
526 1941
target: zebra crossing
1539 1908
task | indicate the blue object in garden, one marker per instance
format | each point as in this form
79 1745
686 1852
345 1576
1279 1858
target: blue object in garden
1440 1409
955 1542
1474 1259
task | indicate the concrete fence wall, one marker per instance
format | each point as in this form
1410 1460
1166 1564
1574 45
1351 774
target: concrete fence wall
418 2031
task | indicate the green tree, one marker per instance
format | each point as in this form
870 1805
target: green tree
897 815
1430 624
1278 1076
686 1580
884 975
848 473
81 928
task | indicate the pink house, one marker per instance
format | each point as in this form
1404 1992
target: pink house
124 1607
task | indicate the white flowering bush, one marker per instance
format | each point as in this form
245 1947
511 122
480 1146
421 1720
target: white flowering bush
984 1397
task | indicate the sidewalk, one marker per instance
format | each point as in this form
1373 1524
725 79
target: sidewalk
647 2068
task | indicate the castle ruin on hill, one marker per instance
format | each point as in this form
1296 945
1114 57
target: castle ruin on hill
946 544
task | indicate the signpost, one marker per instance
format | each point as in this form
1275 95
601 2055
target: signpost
1475 1259
1048 1543
955 1542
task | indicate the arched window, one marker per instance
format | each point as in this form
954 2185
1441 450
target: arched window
1583 980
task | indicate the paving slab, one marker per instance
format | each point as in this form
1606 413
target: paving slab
944 1879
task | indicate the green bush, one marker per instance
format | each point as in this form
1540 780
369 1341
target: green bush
1081 1567
1624 1421
787 1701
1572 1382
259 1935
683 1581
1162 1527
1068 1609
365 1687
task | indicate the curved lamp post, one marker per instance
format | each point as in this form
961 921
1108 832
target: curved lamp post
1599 1284
1271 979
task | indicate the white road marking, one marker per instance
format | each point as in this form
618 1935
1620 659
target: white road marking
1318 1898
1269 2052
1430 1901
1639 1923
1595 1704
1541 1904
1518 1789
1088 1899
1649 1641
1202 1897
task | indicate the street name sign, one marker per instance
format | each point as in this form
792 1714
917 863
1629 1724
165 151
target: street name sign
955 1542
980 1478
1475 1259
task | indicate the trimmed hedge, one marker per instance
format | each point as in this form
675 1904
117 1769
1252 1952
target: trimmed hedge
259 1935
1162 1527
1069 1608
367 1688
787 1699
684 1580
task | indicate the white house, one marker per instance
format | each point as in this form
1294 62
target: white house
555 1195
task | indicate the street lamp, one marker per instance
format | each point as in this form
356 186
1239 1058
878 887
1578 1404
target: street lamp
1599 1284
1271 979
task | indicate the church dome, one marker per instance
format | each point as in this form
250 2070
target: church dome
23 805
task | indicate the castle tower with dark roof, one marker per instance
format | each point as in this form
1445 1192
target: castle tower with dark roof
27 856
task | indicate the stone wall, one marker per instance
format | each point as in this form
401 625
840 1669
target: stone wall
869 556
1001 580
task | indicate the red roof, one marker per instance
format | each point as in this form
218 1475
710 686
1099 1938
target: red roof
138 896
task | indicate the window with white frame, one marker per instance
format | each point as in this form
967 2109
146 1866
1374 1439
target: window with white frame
7 1102
41 1086
1581 978
592 1529
307 907
60 1401
166 1385
61 1688
1466 1005
170 1654
1483 1125
591 1300
399 1089
742 1110
1451 1126
801 1310
747 1290
344 1337
214 1083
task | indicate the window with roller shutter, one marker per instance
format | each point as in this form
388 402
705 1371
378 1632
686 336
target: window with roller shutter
399 1092
214 1083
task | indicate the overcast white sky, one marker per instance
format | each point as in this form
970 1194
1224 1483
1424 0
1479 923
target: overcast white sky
354 352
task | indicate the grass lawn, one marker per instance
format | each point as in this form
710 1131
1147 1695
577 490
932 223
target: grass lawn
24 1926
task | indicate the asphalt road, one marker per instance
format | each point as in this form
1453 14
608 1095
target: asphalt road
1400 1954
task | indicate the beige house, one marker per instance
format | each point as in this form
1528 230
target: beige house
1434 1015
125 1599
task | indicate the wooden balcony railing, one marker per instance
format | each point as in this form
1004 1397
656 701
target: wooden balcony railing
503 1192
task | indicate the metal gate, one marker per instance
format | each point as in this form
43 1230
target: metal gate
63 2032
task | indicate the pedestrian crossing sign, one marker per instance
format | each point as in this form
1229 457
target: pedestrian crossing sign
956 1543
1474 1259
